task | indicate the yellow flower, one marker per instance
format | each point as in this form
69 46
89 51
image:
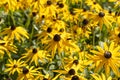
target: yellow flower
101 77
28 73
56 23
10 5
77 62
115 35
107 58
61 7
34 55
67 71
117 17
93 5
60 42
48 8
45 32
72 16
103 17
24 4
15 33
14 65
7 46
75 77
47 77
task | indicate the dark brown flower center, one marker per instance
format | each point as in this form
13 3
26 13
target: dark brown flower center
110 11
71 72
72 12
101 14
34 50
117 13
119 35
45 79
14 66
2 44
61 5
69 38
25 70
75 31
57 37
13 28
85 22
94 3
34 13
61 30
49 29
75 78
49 2
54 19
84 10
43 16
107 54
76 62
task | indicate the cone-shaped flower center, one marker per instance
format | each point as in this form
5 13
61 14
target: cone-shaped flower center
43 16
119 35
76 62
72 12
75 78
49 29
94 3
13 28
107 54
71 72
45 79
85 22
49 2
34 50
61 30
57 37
15 66
101 14
25 70
61 5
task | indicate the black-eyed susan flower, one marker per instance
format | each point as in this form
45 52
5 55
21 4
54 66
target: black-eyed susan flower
48 8
17 33
45 32
34 55
94 5
75 77
115 35
28 73
61 7
60 42
47 77
14 66
117 17
67 71
24 4
76 61
7 46
103 17
56 23
71 16
101 77
107 58
10 5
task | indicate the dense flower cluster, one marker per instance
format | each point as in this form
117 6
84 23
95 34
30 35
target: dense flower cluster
59 39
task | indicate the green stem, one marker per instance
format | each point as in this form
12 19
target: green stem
31 35
12 17
93 37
